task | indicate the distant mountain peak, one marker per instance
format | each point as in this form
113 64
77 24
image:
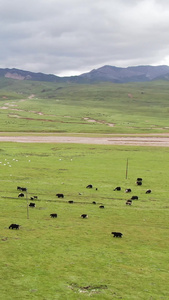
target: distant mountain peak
128 74
106 73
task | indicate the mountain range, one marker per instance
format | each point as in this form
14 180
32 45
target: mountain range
104 74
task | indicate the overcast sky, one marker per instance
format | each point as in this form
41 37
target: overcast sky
69 37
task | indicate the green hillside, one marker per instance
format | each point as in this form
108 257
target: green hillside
104 108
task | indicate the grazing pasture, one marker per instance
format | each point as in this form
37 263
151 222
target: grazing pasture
71 258
103 108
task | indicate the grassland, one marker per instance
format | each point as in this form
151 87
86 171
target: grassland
72 258
103 108
69 258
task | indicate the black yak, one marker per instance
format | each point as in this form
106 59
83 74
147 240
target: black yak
53 215
84 216
117 234
14 226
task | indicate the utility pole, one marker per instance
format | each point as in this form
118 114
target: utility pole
127 169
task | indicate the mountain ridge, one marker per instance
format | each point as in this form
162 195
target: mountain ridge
107 73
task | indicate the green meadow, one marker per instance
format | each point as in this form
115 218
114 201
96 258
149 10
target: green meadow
100 108
73 258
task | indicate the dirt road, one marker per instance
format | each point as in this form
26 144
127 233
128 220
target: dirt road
140 141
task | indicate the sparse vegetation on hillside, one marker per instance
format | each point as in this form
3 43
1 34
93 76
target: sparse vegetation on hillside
99 108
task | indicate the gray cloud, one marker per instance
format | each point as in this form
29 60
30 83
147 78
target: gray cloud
74 36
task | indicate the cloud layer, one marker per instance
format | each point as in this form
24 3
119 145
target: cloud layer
66 37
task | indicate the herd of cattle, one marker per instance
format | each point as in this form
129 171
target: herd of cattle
139 181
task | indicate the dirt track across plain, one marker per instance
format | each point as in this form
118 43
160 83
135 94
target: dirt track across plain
135 141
